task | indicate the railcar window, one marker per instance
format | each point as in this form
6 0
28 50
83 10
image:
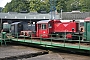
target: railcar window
39 26
12 27
49 25
19 25
43 26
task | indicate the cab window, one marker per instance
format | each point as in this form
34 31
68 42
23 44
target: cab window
43 26
39 26
49 25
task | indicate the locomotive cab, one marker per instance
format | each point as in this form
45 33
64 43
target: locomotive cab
42 29
45 28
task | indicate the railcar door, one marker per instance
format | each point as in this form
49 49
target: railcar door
13 29
43 30
20 28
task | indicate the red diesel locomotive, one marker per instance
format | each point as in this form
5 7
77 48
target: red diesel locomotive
47 27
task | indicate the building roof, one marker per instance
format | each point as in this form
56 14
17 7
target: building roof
71 16
26 16
33 16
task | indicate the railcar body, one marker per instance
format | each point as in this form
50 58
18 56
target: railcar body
16 28
47 27
22 28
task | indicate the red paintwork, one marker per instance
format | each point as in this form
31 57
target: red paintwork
65 27
53 23
69 36
42 32
57 26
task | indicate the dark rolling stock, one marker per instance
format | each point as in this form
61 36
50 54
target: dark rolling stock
21 28
16 28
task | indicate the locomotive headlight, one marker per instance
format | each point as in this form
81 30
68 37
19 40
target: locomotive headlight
44 32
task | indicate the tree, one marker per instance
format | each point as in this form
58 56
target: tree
38 5
85 5
15 6
61 4
46 5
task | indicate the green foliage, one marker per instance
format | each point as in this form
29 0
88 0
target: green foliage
16 6
47 5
